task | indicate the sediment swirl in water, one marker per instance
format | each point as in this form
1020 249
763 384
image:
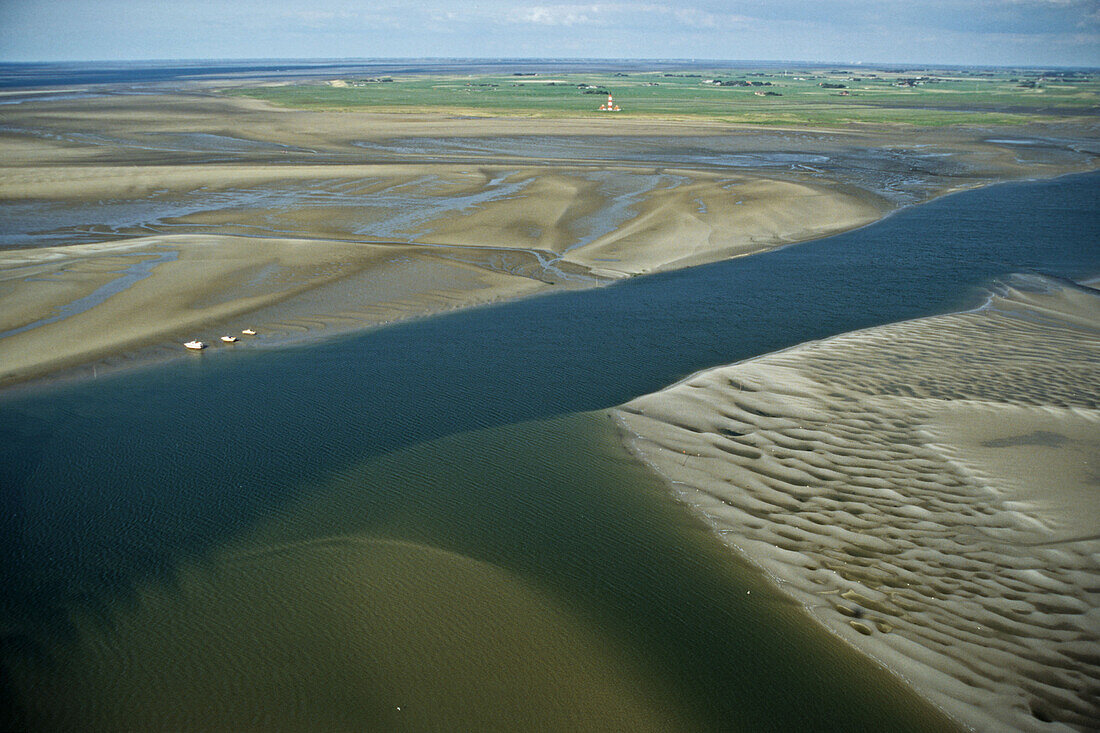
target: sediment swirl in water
338 633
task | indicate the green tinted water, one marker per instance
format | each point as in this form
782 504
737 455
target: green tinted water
526 577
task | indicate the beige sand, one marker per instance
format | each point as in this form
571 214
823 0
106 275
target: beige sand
686 217
710 218
929 490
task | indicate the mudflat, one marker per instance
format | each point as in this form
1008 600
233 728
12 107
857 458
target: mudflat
299 223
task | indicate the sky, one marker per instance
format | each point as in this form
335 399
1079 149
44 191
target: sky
967 32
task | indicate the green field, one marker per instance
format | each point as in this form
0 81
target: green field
916 97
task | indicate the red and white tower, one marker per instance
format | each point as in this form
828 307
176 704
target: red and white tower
610 106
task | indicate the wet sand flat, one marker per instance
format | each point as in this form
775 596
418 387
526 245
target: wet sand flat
387 216
205 286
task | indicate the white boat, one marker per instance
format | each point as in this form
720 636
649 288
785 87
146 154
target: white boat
248 332
195 345
229 339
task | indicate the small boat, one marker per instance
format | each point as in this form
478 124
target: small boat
229 339
248 332
195 345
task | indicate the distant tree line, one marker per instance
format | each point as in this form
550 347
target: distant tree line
737 83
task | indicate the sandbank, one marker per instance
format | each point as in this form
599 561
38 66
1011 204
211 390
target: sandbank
202 286
926 489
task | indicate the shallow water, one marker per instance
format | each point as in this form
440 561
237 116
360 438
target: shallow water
130 274
365 211
129 503
902 174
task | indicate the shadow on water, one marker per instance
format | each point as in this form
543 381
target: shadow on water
110 483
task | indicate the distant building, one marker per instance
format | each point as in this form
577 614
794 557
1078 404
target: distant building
610 106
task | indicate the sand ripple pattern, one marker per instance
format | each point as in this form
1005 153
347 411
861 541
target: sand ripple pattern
927 489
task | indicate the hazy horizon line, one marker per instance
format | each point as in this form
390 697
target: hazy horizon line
533 59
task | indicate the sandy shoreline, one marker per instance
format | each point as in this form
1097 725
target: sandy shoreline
207 286
926 489
303 223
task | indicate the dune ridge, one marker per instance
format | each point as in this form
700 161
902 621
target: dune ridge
926 489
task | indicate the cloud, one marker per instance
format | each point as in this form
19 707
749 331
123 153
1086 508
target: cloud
1040 3
656 16
952 31
694 18
566 15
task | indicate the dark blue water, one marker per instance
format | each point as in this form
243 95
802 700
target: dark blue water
107 483
296 413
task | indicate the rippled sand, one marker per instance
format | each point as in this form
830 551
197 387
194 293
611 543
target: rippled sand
927 489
